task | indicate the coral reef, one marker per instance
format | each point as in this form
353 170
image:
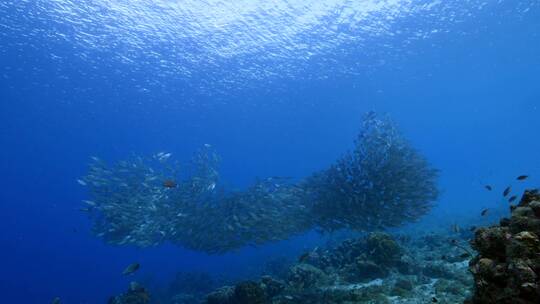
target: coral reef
507 267
371 269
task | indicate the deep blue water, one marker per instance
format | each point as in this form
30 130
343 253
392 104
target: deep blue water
278 89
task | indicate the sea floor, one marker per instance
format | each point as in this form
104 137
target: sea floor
374 268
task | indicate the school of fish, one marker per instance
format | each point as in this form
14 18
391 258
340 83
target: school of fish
382 182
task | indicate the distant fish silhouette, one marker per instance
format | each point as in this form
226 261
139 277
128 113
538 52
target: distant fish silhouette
488 187
303 257
484 212
131 269
522 177
169 183
513 198
507 191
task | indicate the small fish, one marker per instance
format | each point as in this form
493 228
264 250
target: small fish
513 198
464 255
169 183
472 228
131 269
303 257
484 212
89 203
507 191
81 182
455 228
434 300
488 187
522 177
56 300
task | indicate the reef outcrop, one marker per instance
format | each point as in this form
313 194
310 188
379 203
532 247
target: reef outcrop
371 269
136 294
507 267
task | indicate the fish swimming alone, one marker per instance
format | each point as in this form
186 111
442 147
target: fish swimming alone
522 177
169 183
484 212
513 198
132 268
507 191
488 187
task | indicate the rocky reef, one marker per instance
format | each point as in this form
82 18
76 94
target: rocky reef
376 268
136 294
507 267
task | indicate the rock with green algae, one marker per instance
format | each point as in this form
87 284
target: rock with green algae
383 249
249 292
507 268
305 276
271 286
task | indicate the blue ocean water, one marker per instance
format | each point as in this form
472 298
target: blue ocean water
276 87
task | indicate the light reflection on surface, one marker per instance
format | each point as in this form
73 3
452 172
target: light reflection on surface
235 42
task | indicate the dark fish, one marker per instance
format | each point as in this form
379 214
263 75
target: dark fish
522 177
434 300
513 198
443 257
484 212
169 183
507 191
131 269
303 257
56 300
464 255
472 228
488 187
